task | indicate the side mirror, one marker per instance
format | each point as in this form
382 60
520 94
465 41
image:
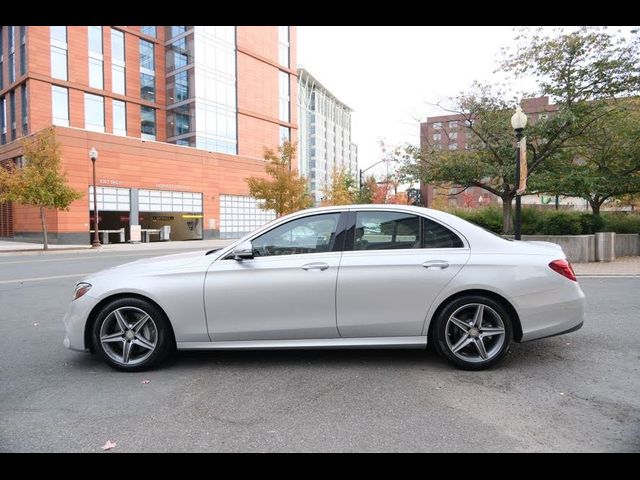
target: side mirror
243 251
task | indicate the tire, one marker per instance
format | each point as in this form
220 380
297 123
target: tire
132 334
457 336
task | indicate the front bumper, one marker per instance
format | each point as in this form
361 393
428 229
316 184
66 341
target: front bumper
75 321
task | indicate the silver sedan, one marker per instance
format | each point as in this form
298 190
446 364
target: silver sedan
360 276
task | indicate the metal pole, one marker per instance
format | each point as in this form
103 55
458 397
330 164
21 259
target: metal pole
360 181
518 200
96 237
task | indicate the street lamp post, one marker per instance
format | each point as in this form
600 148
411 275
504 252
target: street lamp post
518 122
371 166
93 155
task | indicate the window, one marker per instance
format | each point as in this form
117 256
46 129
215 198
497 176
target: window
95 39
23 50
386 231
437 136
148 87
146 55
437 125
1 59
175 30
285 134
12 54
148 122
96 75
58 38
312 234
60 105
453 125
119 118
181 86
3 120
151 31
453 135
24 109
284 113
93 112
118 79
117 62
283 45
453 146
438 236
12 109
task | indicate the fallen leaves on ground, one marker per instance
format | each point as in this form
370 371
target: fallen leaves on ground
109 445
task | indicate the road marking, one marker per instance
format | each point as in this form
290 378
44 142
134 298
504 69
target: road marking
90 257
38 279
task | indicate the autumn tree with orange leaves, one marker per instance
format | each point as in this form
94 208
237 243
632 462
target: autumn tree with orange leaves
286 192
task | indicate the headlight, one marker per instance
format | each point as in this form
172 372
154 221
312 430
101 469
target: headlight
81 289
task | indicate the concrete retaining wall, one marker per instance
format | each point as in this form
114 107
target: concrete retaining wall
577 248
585 248
627 244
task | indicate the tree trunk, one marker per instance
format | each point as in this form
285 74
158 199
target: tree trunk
595 207
44 229
507 222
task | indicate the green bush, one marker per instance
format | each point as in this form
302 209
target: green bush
591 223
621 222
559 223
488 217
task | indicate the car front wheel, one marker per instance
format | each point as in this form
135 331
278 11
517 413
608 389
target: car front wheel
473 332
132 334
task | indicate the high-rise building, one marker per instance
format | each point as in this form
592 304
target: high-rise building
180 117
324 135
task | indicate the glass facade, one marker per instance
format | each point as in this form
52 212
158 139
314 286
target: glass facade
285 134
148 122
147 71
60 105
117 62
119 118
58 38
1 58
93 112
201 87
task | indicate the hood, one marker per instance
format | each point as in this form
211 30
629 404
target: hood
164 263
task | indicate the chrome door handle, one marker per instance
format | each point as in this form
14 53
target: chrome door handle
441 264
316 266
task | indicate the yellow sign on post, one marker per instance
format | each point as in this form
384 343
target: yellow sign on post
522 186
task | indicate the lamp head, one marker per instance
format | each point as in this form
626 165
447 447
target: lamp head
93 154
519 119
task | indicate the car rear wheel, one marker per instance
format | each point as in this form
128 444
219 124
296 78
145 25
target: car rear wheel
473 332
132 334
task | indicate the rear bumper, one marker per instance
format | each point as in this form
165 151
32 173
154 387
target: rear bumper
550 313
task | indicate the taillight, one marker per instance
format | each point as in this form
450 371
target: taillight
563 267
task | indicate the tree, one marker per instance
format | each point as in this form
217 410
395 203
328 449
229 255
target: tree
604 162
343 189
576 69
286 192
40 182
368 190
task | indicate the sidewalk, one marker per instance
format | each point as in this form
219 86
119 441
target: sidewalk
619 267
7 247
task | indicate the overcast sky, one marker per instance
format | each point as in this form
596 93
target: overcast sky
389 75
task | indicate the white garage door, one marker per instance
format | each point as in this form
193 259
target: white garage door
110 199
167 201
241 214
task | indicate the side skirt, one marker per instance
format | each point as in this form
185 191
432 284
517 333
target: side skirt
369 342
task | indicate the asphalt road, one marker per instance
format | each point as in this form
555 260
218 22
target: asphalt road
577 392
